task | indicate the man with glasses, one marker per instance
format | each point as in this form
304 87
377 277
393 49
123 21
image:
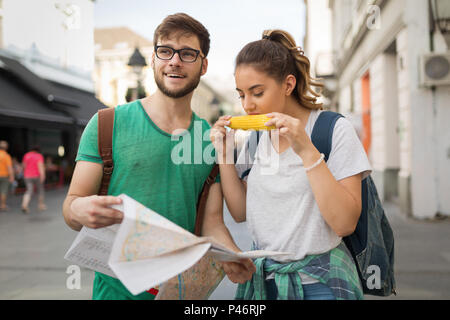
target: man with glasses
145 133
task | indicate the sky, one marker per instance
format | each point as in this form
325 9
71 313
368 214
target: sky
231 24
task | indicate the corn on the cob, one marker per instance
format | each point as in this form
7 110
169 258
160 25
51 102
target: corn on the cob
250 122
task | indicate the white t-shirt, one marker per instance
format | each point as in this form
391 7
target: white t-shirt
282 214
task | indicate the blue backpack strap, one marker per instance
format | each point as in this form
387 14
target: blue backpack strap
322 134
322 137
252 144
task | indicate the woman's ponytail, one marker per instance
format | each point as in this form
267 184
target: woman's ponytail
278 55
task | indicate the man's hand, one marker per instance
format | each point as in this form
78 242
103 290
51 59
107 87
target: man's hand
214 226
239 272
82 207
94 211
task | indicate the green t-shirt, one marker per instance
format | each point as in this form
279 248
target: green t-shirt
164 172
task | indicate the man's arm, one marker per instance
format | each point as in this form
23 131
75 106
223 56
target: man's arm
11 173
82 207
214 226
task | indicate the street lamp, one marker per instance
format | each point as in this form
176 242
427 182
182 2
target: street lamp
137 63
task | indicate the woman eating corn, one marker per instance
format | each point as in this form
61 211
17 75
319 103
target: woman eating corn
305 205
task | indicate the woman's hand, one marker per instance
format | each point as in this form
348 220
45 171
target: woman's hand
239 272
292 129
223 140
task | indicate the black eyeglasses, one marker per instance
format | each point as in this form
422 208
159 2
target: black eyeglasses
185 54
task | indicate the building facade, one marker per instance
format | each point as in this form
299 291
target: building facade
318 46
112 76
46 88
59 32
377 50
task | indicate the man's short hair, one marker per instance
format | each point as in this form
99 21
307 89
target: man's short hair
185 25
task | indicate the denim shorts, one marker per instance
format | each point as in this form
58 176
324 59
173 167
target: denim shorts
313 291
31 182
4 185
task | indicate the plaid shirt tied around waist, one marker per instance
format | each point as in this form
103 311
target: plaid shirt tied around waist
334 268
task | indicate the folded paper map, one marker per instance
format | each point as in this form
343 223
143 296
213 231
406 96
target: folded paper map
147 250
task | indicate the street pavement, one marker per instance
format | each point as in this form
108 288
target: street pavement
32 248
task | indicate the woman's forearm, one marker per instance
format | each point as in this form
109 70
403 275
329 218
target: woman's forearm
339 202
234 191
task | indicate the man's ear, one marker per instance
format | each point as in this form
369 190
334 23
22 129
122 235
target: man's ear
291 83
152 63
204 66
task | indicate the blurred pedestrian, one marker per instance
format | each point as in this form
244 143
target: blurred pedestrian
49 165
17 168
6 174
34 175
52 171
18 174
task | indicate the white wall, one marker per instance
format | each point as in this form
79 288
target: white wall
404 102
443 149
384 112
30 21
342 19
441 103
345 100
319 31
357 96
377 114
392 159
423 131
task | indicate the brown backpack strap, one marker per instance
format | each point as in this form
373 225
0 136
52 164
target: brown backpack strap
201 204
105 133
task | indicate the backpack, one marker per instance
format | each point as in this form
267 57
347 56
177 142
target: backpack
104 138
372 243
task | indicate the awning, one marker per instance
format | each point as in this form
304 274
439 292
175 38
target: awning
24 95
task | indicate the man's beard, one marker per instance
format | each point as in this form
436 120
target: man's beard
188 88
